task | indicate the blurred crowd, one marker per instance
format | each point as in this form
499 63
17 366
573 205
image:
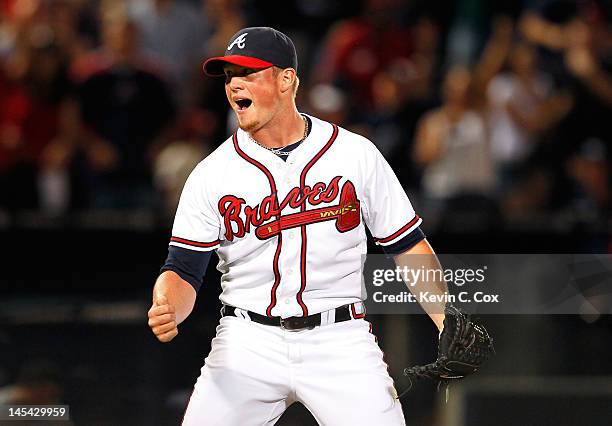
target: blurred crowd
500 110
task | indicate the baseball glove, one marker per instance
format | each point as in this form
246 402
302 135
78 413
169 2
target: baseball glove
464 346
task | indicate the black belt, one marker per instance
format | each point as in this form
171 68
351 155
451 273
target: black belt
343 313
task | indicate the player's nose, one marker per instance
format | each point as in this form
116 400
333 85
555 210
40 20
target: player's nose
235 83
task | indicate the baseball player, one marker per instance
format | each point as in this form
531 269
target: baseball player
284 202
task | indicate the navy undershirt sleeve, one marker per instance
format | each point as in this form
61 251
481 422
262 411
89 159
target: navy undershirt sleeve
405 243
190 265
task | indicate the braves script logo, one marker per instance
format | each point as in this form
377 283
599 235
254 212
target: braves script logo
239 41
239 218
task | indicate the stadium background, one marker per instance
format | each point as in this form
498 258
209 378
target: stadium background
494 115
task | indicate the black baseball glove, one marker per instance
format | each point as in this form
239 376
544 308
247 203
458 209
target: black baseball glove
464 346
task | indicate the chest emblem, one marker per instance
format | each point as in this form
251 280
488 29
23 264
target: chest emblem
240 218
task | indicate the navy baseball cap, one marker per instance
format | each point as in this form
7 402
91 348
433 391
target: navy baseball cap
255 47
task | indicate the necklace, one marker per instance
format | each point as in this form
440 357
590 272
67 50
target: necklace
279 151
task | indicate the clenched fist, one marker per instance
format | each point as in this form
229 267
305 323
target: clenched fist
162 319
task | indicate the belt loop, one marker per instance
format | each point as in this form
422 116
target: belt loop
325 318
242 313
357 314
331 317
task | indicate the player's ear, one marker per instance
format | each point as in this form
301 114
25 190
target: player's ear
286 79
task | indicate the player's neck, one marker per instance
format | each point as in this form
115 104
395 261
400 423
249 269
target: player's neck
282 130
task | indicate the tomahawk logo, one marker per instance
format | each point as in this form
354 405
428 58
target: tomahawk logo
239 42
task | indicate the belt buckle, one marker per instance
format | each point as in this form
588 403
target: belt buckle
293 324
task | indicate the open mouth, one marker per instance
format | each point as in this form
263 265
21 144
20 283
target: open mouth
243 104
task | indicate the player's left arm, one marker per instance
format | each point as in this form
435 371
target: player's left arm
422 256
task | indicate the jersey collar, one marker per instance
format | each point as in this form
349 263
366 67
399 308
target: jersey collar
318 137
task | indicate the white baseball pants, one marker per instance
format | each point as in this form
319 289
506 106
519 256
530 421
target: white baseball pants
254 372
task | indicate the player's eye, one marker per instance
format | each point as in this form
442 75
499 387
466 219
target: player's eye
241 72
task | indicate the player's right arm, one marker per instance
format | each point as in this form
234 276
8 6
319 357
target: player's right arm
195 234
173 301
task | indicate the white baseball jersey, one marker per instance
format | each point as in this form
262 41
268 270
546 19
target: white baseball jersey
290 235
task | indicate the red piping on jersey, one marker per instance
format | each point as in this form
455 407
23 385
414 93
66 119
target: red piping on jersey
303 208
280 237
400 231
194 243
375 338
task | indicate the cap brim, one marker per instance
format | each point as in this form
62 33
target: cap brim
214 66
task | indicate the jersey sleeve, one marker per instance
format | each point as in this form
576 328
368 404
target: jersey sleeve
196 224
190 265
387 211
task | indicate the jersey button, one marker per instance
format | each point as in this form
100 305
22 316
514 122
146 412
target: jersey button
287 180
291 235
289 271
287 301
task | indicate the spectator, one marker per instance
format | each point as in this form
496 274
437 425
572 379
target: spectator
175 33
411 92
358 48
466 32
329 103
125 110
175 161
522 107
225 18
34 90
452 145
589 169
384 123
578 51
